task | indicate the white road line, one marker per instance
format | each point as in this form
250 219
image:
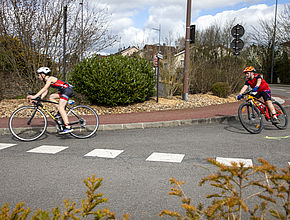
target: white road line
4 145
227 161
278 99
104 153
47 149
165 157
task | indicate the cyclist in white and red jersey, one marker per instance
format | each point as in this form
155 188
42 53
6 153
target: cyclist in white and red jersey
65 92
259 85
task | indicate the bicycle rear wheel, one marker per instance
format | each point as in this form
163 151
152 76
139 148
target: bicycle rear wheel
281 115
27 123
84 121
250 118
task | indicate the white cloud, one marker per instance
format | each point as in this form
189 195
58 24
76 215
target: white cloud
171 15
248 17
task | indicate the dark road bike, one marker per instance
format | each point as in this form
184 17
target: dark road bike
250 114
28 123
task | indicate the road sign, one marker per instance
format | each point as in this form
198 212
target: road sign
238 31
159 55
155 60
237 44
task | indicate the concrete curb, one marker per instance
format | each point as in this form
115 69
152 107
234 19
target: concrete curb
158 124
162 124
143 125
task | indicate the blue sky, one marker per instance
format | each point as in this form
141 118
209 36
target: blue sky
133 20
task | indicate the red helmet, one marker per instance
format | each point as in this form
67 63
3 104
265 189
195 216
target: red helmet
249 69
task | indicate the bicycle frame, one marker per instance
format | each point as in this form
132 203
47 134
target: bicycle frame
256 102
39 105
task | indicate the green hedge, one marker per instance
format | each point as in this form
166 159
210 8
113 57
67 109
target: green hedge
221 89
114 80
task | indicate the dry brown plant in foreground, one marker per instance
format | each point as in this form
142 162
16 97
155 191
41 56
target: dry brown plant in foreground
232 199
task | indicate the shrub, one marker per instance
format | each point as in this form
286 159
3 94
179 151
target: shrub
221 89
236 188
87 209
114 80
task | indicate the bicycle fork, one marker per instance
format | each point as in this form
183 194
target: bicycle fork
32 116
251 114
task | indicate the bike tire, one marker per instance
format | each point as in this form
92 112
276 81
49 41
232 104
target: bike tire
24 131
83 120
250 118
281 115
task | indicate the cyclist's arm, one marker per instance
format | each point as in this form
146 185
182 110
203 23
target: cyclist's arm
259 81
245 87
44 90
44 94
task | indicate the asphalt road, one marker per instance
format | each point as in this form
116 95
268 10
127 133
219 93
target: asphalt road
280 90
132 183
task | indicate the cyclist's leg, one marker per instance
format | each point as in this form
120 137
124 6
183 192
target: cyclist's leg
64 96
53 98
267 98
61 108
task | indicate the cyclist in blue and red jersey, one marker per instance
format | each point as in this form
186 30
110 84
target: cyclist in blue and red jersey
65 92
259 85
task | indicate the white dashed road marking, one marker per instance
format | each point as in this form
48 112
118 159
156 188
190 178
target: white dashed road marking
165 157
47 149
104 153
109 153
227 161
4 145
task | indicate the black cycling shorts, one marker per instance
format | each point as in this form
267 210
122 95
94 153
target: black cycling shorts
265 94
66 93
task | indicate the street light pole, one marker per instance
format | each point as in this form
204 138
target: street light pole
186 55
157 74
64 40
273 44
82 27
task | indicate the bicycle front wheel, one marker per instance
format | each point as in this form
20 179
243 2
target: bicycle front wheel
27 123
250 118
84 121
281 115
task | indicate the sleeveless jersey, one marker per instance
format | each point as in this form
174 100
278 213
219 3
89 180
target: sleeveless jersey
60 85
252 82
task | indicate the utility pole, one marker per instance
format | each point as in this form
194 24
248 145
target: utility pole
273 44
64 42
158 65
82 27
186 55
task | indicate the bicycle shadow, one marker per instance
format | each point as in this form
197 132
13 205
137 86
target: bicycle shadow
235 126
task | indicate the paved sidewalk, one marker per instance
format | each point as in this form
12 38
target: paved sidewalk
208 114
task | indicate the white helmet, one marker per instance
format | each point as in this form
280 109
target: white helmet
44 70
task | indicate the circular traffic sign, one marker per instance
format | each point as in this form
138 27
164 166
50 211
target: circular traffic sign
237 44
238 31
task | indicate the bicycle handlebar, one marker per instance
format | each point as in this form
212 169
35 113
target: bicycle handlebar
38 99
249 92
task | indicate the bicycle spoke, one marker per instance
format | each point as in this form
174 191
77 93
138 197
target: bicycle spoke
84 121
281 115
250 118
27 123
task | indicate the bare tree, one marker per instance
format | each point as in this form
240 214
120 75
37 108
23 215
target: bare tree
38 26
283 21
